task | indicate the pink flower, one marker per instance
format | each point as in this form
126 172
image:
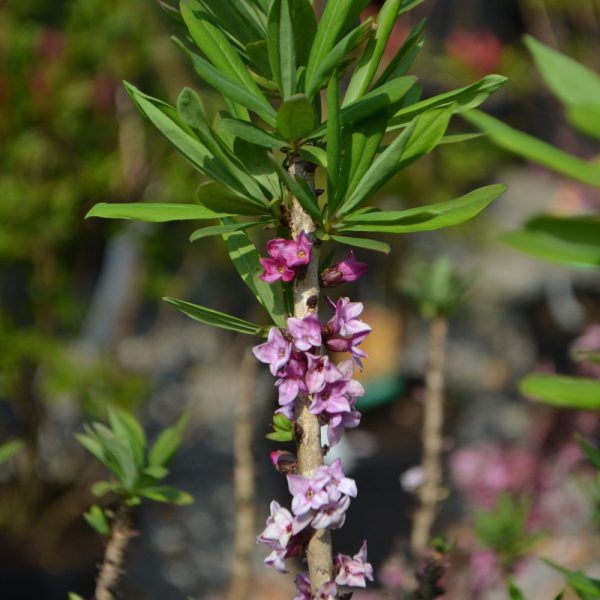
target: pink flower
275 352
288 257
328 591
298 254
306 332
303 587
308 492
353 571
346 271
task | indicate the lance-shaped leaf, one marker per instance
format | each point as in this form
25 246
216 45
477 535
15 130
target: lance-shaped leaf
419 138
561 391
462 99
218 199
572 241
245 258
369 62
364 243
154 212
229 87
191 109
166 119
216 46
249 132
334 140
295 118
281 46
244 24
205 232
425 218
166 444
405 56
128 429
301 192
305 29
570 81
586 587
533 149
591 453
97 520
586 117
314 154
209 316
337 56
165 493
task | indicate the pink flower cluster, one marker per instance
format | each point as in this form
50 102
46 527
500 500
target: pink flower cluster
287 258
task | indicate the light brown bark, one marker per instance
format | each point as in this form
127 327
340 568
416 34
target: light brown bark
114 555
430 492
308 443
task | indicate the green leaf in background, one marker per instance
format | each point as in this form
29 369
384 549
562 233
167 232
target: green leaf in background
205 232
167 444
569 80
572 241
463 98
586 117
281 46
533 149
592 453
428 217
249 132
563 392
216 46
9 449
295 118
457 138
74 596
119 456
586 587
369 63
96 518
230 88
164 493
364 243
128 429
222 201
154 212
209 316
100 488
245 258
514 592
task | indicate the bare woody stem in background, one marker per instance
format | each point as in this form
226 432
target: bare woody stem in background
114 555
244 484
308 446
430 493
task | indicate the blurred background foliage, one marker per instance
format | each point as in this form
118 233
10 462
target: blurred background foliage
82 328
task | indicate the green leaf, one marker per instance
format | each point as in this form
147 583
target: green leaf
73 595
369 63
91 443
586 587
100 488
166 444
586 117
569 80
330 27
514 592
169 495
239 19
9 449
314 154
209 316
405 56
118 456
305 28
96 518
572 241
337 57
250 133
334 140
245 258
533 149
282 423
592 453
127 428
216 46
205 232
428 217
282 47
280 436
563 392
302 193
415 141
295 118
462 99
365 243
221 201
154 212
457 138
230 88
156 472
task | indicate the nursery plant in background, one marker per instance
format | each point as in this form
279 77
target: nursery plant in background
294 154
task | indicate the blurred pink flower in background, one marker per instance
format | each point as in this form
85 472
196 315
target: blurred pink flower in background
481 50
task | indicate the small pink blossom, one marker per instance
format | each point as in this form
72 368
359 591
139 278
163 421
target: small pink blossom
275 351
353 571
346 271
305 332
287 258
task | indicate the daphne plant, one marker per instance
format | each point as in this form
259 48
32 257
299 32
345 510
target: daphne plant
286 126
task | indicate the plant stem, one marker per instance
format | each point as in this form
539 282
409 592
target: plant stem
244 484
432 436
308 442
114 555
